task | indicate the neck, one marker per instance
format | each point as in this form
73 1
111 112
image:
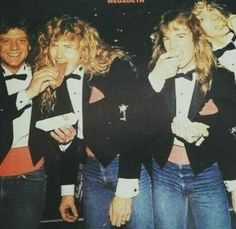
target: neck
12 69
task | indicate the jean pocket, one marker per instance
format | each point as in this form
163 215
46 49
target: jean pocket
37 175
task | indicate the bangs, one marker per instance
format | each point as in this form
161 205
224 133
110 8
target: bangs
178 24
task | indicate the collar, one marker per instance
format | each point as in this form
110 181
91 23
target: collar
24 69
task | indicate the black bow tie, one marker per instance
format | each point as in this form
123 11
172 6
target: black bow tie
219 52
72 76
187 75
15 76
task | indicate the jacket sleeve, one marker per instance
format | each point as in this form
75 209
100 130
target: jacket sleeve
127 117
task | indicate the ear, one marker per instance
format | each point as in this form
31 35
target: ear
29 47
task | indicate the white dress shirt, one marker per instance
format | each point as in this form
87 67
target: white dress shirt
21 124
228 59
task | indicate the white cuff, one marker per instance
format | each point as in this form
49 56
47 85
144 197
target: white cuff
68 190
156 82
230 185
22 100
127 188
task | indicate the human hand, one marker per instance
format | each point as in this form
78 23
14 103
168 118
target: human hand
64 135
120 211
41 80
231 20
167 65
189 131
68 209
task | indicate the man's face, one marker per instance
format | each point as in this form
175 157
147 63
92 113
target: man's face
178 38
213 22
14 49
65 51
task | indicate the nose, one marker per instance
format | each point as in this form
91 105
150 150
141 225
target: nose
14 45
172 45
60 53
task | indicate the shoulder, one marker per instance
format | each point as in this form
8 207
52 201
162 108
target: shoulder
222 75
122 70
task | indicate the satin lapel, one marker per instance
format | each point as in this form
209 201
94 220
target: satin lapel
169 93
3 86
196 102
63 103
86 89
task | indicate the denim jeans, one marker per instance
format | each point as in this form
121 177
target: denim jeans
176 188
22 200
99 186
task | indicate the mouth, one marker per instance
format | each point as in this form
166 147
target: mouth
13 54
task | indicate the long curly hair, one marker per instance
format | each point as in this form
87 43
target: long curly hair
96 57
210 3
204 57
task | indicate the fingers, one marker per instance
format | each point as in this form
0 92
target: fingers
120 211
64 135
68 209
190 131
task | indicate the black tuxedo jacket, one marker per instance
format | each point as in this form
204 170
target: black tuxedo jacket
105 131
219 146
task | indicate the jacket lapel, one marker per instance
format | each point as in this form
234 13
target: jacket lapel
169 93
197 101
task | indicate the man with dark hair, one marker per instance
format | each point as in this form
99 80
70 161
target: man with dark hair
22 177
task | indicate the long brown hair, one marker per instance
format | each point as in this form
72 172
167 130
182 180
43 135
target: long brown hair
204 57
96 57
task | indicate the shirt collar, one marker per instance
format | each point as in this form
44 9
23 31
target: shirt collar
79 71
24 69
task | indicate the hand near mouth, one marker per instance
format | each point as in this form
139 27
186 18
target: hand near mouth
60 68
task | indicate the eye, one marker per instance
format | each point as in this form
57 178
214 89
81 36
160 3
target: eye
165 39
53 45
22 41
5 41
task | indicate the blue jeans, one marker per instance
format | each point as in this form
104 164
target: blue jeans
176 188
99 186
22 200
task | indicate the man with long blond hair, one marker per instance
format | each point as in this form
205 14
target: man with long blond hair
190 99
219 25
98 85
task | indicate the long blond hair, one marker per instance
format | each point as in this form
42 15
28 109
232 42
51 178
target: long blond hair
204 57
95 56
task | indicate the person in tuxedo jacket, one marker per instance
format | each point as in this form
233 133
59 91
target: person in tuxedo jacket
192 106
22 175
99 87
220 27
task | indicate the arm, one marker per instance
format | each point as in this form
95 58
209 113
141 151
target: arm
124 94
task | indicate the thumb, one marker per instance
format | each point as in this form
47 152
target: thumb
74 210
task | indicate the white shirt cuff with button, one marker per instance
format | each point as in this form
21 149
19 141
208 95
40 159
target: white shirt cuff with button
156 82
22 100
230 185
127 188
68 190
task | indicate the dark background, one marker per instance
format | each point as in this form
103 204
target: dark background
125 25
